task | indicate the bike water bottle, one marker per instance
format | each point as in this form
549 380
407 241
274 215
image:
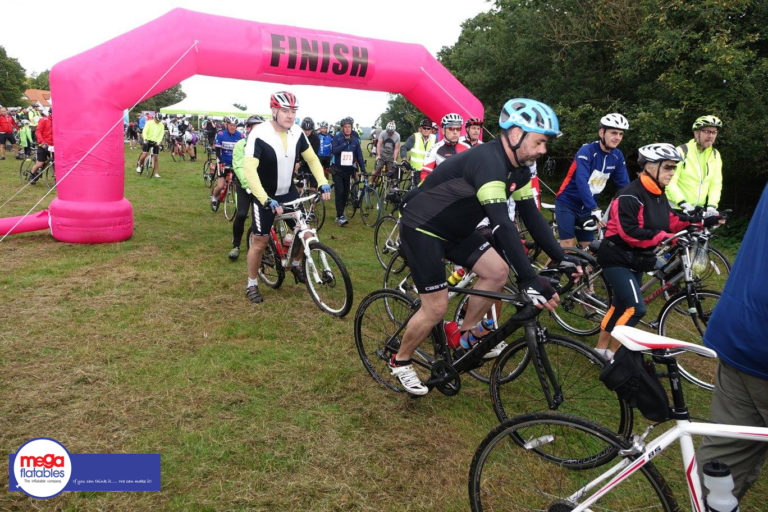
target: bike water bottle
452 334
457 275
719 481
485 325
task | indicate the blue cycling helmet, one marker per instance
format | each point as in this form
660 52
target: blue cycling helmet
530 116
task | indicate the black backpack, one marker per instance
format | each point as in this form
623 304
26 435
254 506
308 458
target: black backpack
634 379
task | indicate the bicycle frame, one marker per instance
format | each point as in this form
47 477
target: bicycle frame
683 430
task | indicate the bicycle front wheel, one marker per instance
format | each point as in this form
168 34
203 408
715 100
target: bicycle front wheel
380 323
397 276
208 172
316 214
370 206
230 202
25 170
327 280
516 387
50 176
386 239
271 270
353 200
541 462
583 307
677 322
149 166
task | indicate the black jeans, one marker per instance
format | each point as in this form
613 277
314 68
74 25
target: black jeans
341 184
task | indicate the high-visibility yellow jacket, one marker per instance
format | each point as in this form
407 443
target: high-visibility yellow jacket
698 179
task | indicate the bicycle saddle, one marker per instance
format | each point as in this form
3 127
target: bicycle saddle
636 340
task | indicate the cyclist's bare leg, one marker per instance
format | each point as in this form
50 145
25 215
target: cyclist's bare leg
432 310
255 252
492 274
221 184
606 341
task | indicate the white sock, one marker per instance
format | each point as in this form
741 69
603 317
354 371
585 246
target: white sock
294 263
252 282
606 353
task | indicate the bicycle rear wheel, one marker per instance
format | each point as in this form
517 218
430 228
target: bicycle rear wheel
675 321
230 202
583 307
209 169
271 270
370 206
386 239
380 323
397 276
327 280
542 462
516 388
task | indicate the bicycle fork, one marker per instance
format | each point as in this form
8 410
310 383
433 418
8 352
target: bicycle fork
536 337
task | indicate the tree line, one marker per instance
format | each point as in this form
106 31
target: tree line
660 63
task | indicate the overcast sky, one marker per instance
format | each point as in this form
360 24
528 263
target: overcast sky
41 33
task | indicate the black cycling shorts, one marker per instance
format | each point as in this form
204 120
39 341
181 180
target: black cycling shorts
424 254
7 137
145 147
264 217
42 154
224 170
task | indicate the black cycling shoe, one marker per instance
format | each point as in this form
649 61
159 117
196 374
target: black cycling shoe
298 274
252 292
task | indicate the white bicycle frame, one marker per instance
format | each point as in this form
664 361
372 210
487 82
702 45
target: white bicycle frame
684 430
299 231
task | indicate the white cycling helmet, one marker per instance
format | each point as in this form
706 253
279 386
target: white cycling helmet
453 120
230 120
614 120
657 153
391 126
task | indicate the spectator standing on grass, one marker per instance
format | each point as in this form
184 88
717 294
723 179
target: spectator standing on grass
7 125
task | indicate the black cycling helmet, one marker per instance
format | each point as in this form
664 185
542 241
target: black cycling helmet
347 120
307 124
254 119
426 123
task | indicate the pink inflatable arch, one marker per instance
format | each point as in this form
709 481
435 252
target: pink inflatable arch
90 91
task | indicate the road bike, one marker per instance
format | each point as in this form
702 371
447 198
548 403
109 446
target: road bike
148 167
209 167
386 238
546 461
325 275
564 372
47 173
362 196
392 182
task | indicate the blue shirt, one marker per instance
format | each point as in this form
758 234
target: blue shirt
738 327
589 173
226 142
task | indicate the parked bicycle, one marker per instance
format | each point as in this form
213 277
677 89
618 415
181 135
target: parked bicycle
326 277
547 461
362 196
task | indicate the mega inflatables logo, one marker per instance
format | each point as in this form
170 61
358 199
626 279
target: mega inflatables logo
42 468
341 58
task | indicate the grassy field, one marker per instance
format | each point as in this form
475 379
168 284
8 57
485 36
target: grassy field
149 346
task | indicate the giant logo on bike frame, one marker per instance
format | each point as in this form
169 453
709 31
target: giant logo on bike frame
341 57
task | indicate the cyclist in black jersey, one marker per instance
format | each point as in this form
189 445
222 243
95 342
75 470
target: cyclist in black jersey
440 216
270 155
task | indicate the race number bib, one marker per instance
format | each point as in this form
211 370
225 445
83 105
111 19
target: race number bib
346 158
597 182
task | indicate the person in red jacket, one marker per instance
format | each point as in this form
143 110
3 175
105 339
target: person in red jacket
44 144
7 125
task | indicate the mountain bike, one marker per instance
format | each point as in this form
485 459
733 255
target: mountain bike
547 461
325 275
316 208
362 196
683 316
565 371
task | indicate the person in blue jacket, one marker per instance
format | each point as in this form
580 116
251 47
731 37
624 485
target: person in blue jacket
737 332
347 152
593 165
324 153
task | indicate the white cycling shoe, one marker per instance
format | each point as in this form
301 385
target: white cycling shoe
496 351
409 379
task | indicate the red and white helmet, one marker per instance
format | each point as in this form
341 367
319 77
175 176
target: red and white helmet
283 99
